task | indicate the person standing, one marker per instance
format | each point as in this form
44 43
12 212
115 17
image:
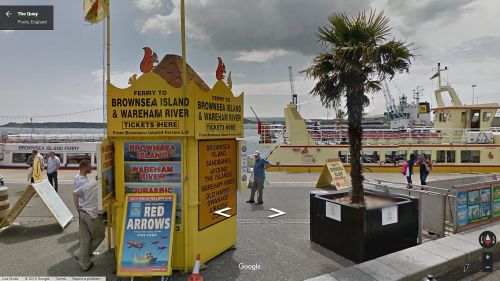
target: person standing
53 163
259 176
425 168
29 161
37 165
92 230
409 170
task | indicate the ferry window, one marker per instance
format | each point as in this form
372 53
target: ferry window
18 158
441 156
370 156
445 156
450 156
427 153
46 157
470 156
344 156
486 116
391 157
75 158
402 156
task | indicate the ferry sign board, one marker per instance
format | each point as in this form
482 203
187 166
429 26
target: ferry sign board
154 167
150 107
105 166
219 114
146 236
333 175
217 180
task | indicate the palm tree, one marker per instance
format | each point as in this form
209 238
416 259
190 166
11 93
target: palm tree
357 56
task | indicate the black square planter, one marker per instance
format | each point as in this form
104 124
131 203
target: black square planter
357 233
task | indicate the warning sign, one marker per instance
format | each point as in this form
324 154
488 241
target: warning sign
333 175
217 172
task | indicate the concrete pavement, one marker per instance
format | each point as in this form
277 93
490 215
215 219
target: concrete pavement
280 246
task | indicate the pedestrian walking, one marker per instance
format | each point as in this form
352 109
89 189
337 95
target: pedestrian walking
407 170
91 226
425 168
37 165
259 176
53 163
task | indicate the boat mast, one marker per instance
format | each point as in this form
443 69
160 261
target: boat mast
292 87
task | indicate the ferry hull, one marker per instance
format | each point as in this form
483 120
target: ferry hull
293 158
390 169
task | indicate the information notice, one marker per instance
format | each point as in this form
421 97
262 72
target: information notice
146 237
217 170
105 164
154 167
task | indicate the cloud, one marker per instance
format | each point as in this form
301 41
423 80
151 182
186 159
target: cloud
414 14
149 5
259 25
118 78
169 24
260 56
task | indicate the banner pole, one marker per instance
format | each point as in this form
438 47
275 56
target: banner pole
185 142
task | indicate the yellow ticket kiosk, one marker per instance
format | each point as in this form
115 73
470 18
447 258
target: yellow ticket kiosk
166 140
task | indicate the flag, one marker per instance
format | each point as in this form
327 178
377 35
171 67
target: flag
95 10
435 75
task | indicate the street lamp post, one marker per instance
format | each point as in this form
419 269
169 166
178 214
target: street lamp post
473 86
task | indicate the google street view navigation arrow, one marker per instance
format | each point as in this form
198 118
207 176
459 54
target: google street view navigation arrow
221 212
278 213
8 14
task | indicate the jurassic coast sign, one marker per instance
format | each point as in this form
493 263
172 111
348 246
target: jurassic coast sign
151 107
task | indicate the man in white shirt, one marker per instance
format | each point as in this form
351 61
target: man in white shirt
53 163
91 227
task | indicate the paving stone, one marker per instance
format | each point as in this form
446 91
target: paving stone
412 261
326 277
352 274
458 244
380 271
441 250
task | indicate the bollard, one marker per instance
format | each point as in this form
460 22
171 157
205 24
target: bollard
4 202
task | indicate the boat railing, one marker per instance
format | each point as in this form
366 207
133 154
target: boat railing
338 134
52 138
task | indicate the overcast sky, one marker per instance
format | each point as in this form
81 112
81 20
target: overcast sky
51 72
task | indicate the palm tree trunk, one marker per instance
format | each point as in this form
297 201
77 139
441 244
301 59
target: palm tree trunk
355 115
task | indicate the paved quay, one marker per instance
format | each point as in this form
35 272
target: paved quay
280 247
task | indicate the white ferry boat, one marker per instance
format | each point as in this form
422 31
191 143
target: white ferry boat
70 148
460 139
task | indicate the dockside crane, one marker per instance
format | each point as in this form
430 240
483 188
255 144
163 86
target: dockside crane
390 104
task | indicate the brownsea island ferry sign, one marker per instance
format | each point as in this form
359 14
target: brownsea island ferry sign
152 107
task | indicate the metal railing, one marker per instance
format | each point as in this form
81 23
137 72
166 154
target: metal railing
338 134
52 138
432 205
